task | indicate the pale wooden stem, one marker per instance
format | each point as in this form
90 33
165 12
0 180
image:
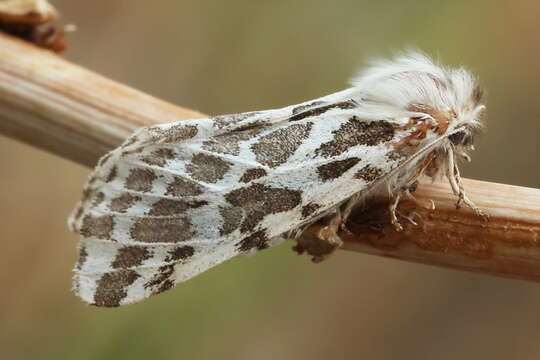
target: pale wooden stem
60 107
63 108
507 244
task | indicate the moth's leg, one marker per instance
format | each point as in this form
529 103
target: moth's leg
454 178
393 209
408 218
408 191
346 211
320 240
404 191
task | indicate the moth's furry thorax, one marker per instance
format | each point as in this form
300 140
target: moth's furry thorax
413 83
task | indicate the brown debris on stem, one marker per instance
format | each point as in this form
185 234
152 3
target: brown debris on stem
29 19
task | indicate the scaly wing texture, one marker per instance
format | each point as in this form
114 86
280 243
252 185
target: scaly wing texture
179 198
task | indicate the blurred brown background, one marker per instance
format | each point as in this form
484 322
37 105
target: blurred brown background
232 56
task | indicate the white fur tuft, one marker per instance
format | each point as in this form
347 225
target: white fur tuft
415 79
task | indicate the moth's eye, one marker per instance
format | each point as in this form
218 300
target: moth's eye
462 138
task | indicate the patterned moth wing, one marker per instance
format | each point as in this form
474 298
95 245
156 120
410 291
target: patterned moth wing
177 199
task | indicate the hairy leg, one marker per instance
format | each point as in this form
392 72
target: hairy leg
454 178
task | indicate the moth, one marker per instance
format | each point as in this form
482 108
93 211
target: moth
177 199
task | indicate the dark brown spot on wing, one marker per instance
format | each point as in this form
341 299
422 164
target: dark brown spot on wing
123 202
350 104
87 194
112 287
180 253
252 174
165 285
98 199
173 134
167 230
258 200
232 217
369 173
356 132
396 156
310 209
183 187
112 174
130 256
100 227
140 180
275 148
161 281
78 213
159 157
335 169
223 120
302 108
257 240
92 180
229 143
254 125
83 254
169 207
207 168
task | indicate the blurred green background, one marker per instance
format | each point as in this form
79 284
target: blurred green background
232 56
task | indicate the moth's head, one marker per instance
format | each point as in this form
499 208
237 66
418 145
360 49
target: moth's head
413 85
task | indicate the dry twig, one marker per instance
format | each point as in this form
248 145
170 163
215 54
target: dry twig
60 107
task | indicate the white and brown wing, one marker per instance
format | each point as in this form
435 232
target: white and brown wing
177 199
